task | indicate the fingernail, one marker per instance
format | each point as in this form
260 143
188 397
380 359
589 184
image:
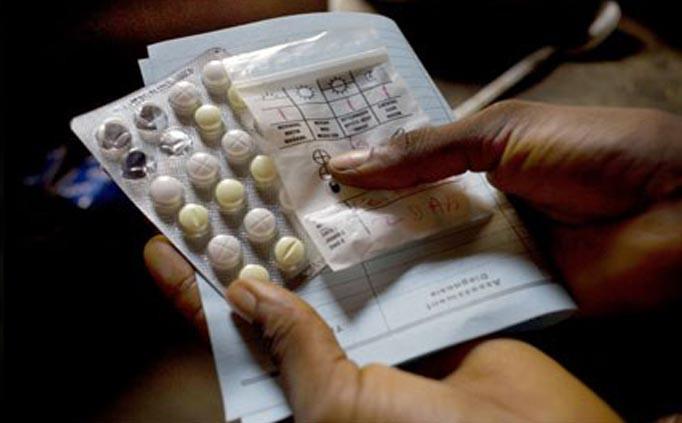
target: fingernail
242 300
349 160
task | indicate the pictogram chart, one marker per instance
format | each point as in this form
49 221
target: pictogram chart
333 107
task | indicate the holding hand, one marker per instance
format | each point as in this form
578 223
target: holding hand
609 180
496 380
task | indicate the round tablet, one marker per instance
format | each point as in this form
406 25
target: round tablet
235 99
114 138
289 254
238 146
202 169
209 121
224 252
175 141
263 170
260 225
254 271
208 118
184 97
229 194
215 78
193 220
167 193
150 120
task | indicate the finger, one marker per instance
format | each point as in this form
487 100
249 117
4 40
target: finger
320 382
176 278
301 344
475 143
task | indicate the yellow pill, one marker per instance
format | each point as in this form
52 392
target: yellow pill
193 220
254 271
229 194
235 99
263 170
289 254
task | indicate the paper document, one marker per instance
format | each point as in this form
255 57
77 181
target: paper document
412 301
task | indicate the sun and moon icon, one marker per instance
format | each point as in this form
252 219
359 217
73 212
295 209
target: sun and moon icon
305 92
338 85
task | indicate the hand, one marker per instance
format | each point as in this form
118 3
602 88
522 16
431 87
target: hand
495 380
608 181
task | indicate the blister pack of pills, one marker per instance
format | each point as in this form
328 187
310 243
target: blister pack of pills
181 154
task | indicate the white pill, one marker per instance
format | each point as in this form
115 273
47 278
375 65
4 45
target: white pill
238 146
254 271
263 170
289 254
167 194
215 78
285 202
184 97
114 138
224 252
193 220
203 170
260 225
209 121
235 99
229 194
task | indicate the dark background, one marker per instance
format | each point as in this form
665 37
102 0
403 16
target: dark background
81 317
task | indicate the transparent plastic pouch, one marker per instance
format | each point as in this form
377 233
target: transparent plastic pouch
329 94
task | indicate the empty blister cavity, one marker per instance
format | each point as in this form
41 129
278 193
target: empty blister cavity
167 194
150 121
224 252
263 171
175 141
203 170
238 146
136 165
114 138
210 122
193 220
185 98
290 255
230 195
254 271
260 225
215 79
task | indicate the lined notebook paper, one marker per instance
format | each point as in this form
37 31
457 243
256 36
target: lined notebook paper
404 304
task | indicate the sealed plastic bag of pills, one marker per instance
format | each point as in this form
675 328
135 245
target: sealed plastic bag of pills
318 97
179 152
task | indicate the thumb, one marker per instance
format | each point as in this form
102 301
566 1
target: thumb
433 153
315 371
321 383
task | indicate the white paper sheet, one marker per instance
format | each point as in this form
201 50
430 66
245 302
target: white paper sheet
404 304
